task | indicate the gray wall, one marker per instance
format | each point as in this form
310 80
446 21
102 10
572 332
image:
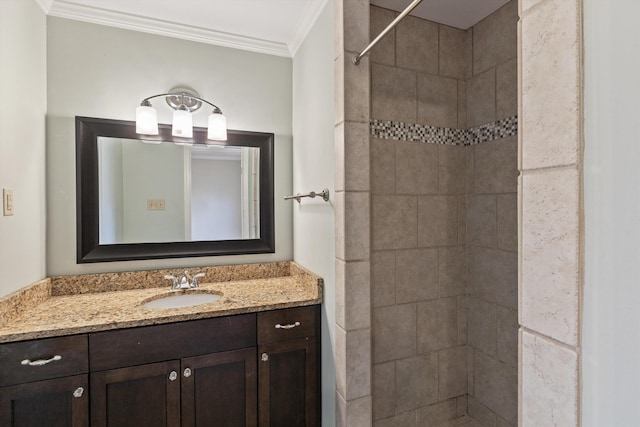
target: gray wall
22 142
99 71
611 343
313 169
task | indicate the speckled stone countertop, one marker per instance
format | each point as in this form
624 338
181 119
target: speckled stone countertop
87 303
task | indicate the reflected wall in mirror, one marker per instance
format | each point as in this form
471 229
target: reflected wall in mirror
183 192
143 197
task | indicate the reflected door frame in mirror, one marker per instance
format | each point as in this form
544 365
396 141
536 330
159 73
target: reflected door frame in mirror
89 249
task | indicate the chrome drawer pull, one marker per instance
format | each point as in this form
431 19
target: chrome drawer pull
41 362
78 392
289 326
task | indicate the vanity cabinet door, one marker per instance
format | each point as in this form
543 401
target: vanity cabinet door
289 367
62 402
289 380
144 395
220 389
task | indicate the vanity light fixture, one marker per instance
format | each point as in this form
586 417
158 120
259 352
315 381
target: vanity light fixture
184 101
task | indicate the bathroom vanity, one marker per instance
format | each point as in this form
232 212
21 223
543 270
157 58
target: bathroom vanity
251 358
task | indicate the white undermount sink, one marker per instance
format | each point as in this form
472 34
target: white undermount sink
181 300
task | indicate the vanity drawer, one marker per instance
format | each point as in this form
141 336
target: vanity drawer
288 324
149 344
43 359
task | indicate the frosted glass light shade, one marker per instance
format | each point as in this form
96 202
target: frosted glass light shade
217 124
182 124
146 120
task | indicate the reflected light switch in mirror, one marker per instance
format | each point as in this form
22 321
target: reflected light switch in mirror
155 204
7 202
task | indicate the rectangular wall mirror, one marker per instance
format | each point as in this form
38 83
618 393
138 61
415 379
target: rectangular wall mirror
144 197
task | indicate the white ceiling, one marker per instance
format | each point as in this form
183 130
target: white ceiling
461 14
275 27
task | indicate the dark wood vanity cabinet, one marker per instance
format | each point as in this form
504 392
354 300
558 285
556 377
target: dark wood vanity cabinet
44 383
136 396
243 370
214 389
288 373
221 389
201 372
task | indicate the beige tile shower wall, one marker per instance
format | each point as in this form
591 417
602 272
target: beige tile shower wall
352 210
418 289
492 241
492 282
418 280
418 72
550 211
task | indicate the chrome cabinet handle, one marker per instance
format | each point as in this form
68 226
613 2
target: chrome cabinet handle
265 357
173 375
41 362
187 373
289 326
78 392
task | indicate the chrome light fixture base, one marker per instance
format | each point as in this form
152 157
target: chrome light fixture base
179 96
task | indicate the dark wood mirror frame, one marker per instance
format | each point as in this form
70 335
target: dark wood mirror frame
89 248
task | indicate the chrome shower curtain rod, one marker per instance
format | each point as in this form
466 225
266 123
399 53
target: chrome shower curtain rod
384 32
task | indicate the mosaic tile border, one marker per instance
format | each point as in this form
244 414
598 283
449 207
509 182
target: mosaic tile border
401 131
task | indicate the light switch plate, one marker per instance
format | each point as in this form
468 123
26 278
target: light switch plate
155 204
7 202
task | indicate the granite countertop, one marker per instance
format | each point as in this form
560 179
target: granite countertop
88 303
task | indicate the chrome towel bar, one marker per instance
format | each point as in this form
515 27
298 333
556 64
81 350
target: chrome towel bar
324 194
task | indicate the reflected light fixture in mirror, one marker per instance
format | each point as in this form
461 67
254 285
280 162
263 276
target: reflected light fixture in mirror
184 101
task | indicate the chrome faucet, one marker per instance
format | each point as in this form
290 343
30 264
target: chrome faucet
183 283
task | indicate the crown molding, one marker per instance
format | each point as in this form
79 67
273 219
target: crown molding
45 5
70 10
305 24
